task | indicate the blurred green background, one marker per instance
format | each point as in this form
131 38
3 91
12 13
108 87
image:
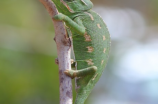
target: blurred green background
28 74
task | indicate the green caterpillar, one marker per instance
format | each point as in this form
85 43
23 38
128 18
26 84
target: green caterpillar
91 43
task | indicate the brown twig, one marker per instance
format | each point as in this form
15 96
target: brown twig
63 48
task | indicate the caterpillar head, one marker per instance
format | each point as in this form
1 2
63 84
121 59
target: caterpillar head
75 6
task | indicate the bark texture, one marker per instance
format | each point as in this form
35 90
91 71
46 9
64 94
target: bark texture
63 48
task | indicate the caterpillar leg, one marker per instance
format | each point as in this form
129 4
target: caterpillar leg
72 24
80 73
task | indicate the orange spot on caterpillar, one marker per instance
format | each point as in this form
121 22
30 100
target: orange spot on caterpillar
95 76
99 26
89 61
90 49
67 6
104 37
102 62
84 2
104 50
90 16
87 37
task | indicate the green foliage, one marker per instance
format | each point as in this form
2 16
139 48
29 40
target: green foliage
27 75
28 78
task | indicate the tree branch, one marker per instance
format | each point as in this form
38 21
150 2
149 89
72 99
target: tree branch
63 48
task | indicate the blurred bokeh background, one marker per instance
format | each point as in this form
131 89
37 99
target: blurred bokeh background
28 74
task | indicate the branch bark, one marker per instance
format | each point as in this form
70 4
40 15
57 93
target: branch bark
63 48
